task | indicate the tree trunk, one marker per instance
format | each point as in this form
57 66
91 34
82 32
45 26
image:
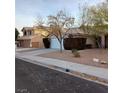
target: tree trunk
99 46
103 41
61 46
98 42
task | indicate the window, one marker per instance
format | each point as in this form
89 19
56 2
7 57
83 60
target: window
24 33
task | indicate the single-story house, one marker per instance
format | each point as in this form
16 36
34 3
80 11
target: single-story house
78 33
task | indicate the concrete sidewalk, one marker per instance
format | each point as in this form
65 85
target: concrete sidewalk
89 70
24 49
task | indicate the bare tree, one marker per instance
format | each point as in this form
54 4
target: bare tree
85 21
58 24
39 21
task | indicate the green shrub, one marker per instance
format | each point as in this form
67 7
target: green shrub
74 50
75 53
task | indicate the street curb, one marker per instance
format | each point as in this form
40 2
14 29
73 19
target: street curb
69 71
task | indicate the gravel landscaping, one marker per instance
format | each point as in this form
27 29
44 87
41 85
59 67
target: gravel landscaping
92 57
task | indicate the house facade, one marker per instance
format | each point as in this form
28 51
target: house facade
32 37
78 33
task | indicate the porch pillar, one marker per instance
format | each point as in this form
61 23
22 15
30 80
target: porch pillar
103 41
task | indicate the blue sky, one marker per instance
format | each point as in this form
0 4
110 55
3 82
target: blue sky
26 11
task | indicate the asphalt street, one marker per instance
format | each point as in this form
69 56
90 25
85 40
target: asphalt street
31 78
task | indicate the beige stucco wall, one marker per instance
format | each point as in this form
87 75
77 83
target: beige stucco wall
90 40
38 39
40 32
25 43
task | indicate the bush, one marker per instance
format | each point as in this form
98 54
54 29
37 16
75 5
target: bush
73 50
75 53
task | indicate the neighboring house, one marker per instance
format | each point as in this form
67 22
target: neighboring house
32 37
76 32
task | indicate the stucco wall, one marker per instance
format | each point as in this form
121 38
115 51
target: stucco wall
25 43
37 41
55 44
91 40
